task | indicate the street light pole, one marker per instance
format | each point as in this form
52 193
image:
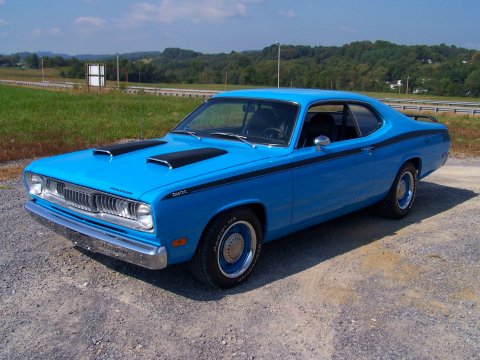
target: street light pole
278 65
43 75
118 73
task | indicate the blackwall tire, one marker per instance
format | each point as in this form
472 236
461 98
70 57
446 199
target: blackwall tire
229 249
401 197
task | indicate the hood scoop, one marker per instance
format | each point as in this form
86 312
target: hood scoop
187 157
119 149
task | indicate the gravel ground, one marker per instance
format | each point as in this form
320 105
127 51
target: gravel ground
359 287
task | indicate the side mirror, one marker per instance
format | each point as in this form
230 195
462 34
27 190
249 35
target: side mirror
320 141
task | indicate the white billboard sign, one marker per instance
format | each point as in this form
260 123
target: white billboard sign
96 75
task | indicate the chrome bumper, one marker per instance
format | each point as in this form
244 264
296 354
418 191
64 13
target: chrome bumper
94 240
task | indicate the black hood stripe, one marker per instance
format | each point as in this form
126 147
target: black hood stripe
301 163
181 158
119 149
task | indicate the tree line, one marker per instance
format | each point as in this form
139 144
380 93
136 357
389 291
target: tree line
358 66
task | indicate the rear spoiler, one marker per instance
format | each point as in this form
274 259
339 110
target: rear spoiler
420 116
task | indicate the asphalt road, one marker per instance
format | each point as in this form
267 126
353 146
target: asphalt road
359 287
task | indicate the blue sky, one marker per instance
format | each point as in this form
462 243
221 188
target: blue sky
211 26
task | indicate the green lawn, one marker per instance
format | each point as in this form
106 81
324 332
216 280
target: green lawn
37 122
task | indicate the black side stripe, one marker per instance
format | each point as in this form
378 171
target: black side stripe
302 163
411 135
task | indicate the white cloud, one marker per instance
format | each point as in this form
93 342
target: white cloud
4 22
46 32
90 22
167 11
287 13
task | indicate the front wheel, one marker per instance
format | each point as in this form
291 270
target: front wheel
401 196
229 248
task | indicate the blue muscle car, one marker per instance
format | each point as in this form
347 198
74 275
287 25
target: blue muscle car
244 168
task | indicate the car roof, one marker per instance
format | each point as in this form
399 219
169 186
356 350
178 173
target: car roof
301 96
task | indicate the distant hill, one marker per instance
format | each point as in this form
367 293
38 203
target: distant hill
361 66
133 56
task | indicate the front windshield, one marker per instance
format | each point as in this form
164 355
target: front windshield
256 121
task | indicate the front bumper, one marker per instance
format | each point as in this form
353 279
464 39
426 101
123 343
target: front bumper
94 240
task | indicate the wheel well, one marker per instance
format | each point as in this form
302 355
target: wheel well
258 210
417 162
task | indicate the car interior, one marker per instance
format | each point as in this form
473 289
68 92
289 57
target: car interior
338 122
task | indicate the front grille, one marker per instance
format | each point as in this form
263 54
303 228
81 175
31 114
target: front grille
90 200
79 199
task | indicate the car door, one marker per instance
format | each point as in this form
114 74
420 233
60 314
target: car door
336 178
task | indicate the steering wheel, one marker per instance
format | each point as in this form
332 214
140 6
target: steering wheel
268 132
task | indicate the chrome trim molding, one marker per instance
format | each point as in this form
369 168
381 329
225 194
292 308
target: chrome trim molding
160 161
94 240
102 151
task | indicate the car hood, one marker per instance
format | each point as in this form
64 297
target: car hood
138 171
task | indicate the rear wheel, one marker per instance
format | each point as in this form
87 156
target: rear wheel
229 249
401 196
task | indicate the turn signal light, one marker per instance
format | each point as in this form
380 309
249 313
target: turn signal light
179 242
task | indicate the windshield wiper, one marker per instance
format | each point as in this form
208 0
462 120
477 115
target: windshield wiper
230 135
192 133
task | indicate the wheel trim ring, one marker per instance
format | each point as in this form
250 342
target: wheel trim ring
405 189
238 267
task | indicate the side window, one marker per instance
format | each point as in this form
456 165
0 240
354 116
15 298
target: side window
367 120
322 119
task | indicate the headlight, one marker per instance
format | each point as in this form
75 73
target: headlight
122 208
144 216
35 184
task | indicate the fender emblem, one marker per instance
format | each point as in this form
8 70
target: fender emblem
121 190
179 193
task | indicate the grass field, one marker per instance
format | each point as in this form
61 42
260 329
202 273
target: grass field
36 123
8 73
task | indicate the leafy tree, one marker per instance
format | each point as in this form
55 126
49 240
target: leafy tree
32 61
472 83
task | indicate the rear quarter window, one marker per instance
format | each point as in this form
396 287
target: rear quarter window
367 120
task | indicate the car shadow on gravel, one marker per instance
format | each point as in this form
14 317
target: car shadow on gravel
302 250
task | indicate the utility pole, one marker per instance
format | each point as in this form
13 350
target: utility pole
278 65
118 73
226 80
408 78
43 75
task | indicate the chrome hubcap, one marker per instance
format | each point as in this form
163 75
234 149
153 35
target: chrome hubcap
402 189
233 248
405 189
